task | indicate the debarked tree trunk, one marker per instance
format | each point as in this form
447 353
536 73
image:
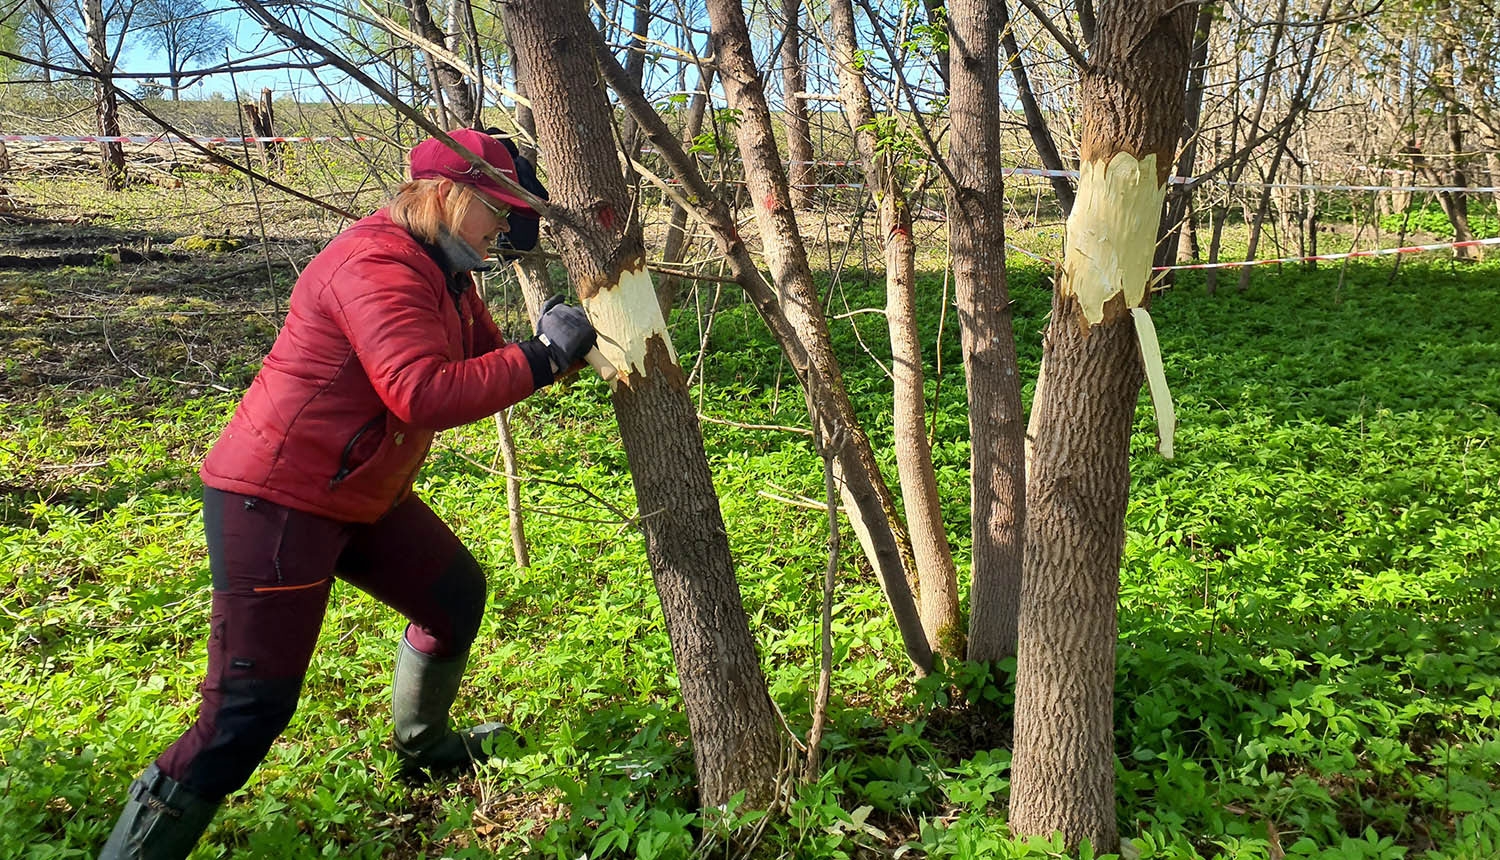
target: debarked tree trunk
735 731
1079 482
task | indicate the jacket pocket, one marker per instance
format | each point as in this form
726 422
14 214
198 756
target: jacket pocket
361 449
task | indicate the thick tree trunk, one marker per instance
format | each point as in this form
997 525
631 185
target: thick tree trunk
1132 109
868 498
735 731
976 224
799 148
106 104
924 512
864 492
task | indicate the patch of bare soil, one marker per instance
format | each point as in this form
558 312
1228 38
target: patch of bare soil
86 304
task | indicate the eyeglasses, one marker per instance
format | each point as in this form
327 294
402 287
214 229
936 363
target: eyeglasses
500 212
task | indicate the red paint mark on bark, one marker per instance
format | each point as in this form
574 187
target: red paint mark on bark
606 217
770 202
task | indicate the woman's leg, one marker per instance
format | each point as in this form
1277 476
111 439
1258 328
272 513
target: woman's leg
272 571
412 562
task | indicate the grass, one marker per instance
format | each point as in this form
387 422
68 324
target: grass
1308 657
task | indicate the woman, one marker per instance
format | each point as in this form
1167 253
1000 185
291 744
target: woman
386 342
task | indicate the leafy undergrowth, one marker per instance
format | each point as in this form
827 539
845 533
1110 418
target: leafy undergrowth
1308 660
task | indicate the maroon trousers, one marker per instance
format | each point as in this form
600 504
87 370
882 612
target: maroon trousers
273 569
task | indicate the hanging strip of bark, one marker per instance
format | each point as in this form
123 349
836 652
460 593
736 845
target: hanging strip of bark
735 730
976 224
934 556
868 498
1131 107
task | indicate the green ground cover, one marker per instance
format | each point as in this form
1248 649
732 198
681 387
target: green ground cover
1308 661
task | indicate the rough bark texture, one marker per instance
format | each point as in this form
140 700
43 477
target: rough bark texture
864 491
1063 771
448 85
798 302
799 146
262 118
734 728
924 512
976 226
106 105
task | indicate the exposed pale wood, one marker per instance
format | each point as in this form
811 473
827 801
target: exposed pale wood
1079 483
735 729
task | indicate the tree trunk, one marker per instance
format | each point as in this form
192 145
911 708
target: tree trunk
106 104
1132 109
1177 221
868 498
924 511
1283 140
865 495
1455 203
976 224
1036 120
262 117
735 731
635 66
531 272
799 146
449 88
676 243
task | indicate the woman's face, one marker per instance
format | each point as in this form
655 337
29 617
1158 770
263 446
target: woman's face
483 224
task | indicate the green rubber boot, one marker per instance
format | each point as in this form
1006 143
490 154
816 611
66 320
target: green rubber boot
422 693
162 820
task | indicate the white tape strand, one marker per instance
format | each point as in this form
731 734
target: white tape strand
169 138
1235 264
1374 252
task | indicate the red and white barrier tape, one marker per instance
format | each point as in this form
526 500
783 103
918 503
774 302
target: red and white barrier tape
1239 264
1009 171
171 138
1376 252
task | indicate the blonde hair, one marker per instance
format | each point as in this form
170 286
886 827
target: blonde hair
426 207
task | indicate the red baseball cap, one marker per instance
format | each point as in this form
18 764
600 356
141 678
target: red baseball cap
433 159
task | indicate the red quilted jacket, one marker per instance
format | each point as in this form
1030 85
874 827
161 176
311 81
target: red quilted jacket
375 357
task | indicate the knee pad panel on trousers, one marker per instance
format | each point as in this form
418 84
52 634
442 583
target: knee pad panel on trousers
252 714
462 590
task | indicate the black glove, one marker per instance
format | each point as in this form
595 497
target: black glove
565 332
